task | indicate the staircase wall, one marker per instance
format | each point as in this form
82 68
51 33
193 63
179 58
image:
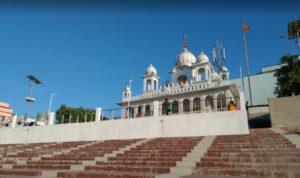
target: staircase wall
200 124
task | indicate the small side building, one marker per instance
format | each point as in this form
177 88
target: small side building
5 113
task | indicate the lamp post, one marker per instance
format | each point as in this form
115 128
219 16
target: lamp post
50 103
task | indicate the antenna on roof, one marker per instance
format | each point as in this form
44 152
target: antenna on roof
219 57
184 42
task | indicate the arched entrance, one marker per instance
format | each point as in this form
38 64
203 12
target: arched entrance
221 102
147 110
175 107
197 104
164 110
209 103
186 105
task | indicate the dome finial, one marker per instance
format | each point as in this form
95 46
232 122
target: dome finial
184 42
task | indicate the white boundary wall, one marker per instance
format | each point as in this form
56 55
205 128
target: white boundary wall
201 124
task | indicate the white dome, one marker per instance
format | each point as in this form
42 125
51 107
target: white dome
224 69
203 58
151 70
127 88
214 75
185 58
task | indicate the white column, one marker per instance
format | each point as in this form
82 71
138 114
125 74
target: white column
14 121
123 113
180 106
145 86
143 110
215 101
51 118
202 103
227 97
135 111
191 103
155 108
98 114
152 84
242 100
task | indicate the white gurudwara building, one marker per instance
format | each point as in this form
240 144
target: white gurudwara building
195 86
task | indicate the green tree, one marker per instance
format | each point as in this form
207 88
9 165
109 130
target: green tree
288 76
70 114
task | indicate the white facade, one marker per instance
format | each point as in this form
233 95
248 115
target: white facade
195 87
262 85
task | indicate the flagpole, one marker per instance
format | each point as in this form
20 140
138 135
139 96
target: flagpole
242 78
247 62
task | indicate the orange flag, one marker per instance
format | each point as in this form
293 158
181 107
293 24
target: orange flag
245 28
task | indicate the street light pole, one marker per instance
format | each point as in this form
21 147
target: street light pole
50 103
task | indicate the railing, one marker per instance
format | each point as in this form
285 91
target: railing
175 89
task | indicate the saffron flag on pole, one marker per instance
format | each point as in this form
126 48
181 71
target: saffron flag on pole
245 27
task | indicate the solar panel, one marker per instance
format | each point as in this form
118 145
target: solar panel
34 79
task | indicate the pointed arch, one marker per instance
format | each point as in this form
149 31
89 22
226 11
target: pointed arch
186 105
196 104
209 102
221 101
175 107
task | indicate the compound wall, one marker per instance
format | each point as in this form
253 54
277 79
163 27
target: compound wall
201 124
285 111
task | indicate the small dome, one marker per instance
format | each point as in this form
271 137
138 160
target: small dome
224 69
127 88
151 70
203 58
214 75
185 58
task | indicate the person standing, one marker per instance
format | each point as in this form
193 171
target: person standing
167 106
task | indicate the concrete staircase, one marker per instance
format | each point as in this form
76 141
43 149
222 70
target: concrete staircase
262 153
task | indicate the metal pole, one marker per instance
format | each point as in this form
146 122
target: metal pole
247 64
50 103
242 78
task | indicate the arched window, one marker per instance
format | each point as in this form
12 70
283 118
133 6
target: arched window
209 102
201 74
197 105
175 107
182 79
155 85
148 85
221 102
186 105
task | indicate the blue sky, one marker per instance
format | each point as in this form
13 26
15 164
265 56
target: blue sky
88 55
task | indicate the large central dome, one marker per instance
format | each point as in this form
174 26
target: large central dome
185 58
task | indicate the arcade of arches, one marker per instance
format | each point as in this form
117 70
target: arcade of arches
192 104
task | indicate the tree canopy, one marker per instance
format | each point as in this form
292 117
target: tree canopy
67 114
288 76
